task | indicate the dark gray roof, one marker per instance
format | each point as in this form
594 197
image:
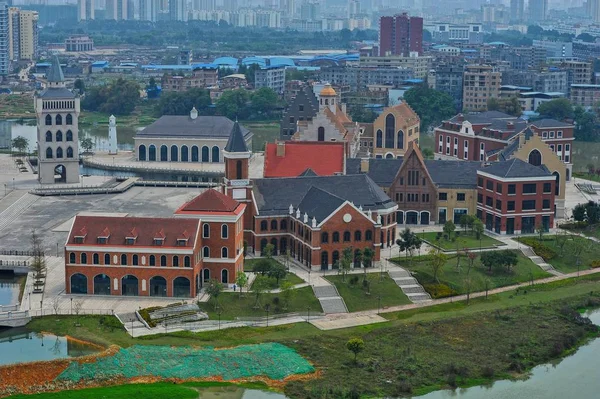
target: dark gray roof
381 170
319 204
57 92
55 73
546 123
308 172
482 117
184 126
515 168
510 149
236 142
453 174
274 196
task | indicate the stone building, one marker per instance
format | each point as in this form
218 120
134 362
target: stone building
393 130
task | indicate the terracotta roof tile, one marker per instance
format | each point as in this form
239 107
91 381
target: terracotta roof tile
210 201
324 158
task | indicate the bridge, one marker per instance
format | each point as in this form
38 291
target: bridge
14 319
16 266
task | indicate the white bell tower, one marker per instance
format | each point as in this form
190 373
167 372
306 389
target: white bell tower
112 135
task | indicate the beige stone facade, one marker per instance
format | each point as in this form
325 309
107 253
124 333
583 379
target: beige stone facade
393 130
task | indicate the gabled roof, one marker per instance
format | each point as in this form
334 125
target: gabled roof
381 170
453 174
515 168
324 158
319 204
209 201
308 172
57 92
144 230
55 73
510 149
236 142
546 123
183 126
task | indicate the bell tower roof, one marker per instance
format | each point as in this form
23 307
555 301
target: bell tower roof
55 74
236 142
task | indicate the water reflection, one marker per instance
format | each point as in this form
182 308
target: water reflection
233 392
9 289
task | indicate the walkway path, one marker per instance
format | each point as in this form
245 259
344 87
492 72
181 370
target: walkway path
19 201
408 284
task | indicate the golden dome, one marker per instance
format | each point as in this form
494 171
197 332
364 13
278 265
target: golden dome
328 91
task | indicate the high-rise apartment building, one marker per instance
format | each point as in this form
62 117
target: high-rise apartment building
538 10
400 35
28 35
178 10
480 83
230 5
149 10
517 10
593 9
4 39
205 5
13 33
117 9
85 10
309 10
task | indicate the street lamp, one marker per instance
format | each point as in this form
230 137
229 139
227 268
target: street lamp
57 250
71 306
378 303
219 314
267 307
309 276
308 314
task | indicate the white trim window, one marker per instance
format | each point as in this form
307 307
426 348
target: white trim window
224 231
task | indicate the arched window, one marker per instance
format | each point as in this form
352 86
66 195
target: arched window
283 225
535 158
335 257
69 152
321 133
83 259
357 258
194 153
369 235
123 259
264 225
215 154
59 119
72 257
134 260
390 129
326 101
324 237
48 120
206 252
152 260
224 276
164 153
224 231
95 259
174 153
69 135
69 119
175 261
557 187
142 152
48 136
205 154
185 153
400 143
224 252
187 262
59 136
273 224
163 260
238 170
347 236
152 153
59 152
335 237
206 230
107 259
324 260
49 153
379 140
357 235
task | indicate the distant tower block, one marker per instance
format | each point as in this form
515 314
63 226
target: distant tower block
112 135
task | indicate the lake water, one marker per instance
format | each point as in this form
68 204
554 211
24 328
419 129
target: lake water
232 392
575 376
9 289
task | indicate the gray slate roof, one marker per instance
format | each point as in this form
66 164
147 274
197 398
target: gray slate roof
453 174
381 170
55 73
274 196
509 150
319 204
483 117
236 142
57 92
546 123
515 168
308 172
184 126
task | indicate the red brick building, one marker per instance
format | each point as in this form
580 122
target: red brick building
515 197
559 136
292 158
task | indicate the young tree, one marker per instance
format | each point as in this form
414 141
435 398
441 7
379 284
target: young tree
577 247
277 272
262 267
241 280
214 289
561 241
20 143
38 264
449 229
478 228
540 231
367 257
260 285
487 283
87 144
408 242
268 251
437 262
488 259
579 212
508 259
346 262
468 284
355 345
287 293
471 256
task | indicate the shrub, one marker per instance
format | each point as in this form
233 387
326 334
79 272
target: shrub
276 300
574 225
145 313
353 280
539 248
457 232
111 322
595 264
439 290
438 236
487 372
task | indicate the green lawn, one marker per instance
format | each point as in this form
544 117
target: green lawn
585 153
464 240
264 132
590 231
146 391
233 306
565 261
456 280
356 297
291 277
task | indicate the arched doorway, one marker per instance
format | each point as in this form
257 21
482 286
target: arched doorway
158 286
324 260
535 158
411 217
101 284
274 243
205 154
181 287
400 217
335 258
321 134
224 276
142 152
152 153
205 275
424 217
60 174
78 284
129 285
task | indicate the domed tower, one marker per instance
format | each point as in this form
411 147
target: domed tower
327 98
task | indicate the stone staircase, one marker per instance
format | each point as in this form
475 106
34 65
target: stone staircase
330 299
539 261
16 208
409 285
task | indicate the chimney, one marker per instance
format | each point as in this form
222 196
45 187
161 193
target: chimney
510 125
460 118
280 148
364 165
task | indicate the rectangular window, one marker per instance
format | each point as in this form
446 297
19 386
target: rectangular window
552 147
397 197
528 205
498 204
301 108
510 206
441 139
448 140
547 188
422 197
480 198
401 197
567 147
551 134
489 185
443 196
456 141
460 196
489 201
544 135
482 146
559 134
455 151
402 181
512 189
530 188
480 182
499 188
546 204
559 148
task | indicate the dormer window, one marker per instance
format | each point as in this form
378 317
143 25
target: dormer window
79 239
182 242
102 240
159 241
103 237
130 240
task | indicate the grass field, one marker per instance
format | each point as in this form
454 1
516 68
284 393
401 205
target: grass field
264 132
565 261
585 153
456 279
356 297
291 277
16 106
464 240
